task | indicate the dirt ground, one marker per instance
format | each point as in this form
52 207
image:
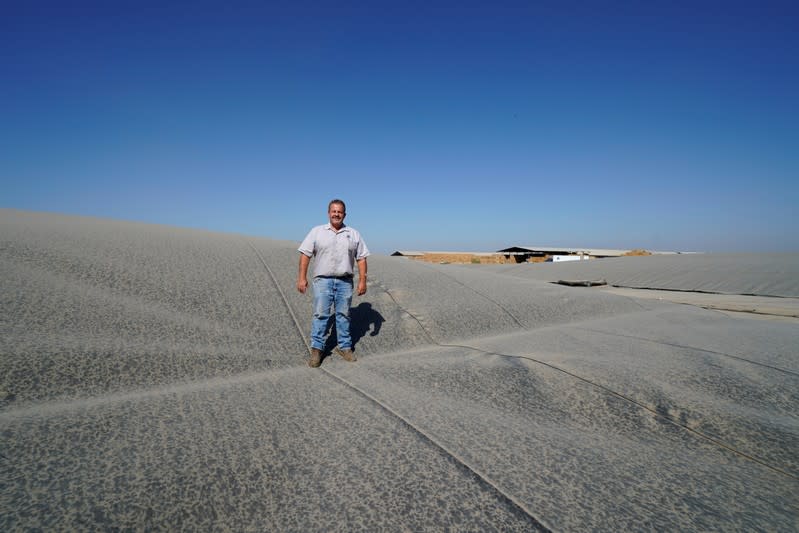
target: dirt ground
638 252
490 259
463 258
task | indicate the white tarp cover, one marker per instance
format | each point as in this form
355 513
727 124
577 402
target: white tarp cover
756 274
154 378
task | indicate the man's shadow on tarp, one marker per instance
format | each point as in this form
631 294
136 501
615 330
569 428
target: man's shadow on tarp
363 317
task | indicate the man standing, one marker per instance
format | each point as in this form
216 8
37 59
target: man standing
335 247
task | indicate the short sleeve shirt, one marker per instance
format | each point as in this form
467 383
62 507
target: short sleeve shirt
334 252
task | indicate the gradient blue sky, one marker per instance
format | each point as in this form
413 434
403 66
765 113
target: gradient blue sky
444 125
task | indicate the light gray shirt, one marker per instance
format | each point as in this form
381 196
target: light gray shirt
334 252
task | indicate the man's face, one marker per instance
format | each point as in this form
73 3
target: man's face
336 215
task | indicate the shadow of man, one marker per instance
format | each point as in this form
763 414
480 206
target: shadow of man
362 318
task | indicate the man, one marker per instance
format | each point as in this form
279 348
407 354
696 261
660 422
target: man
335 248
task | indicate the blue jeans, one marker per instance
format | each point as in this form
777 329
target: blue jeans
329 294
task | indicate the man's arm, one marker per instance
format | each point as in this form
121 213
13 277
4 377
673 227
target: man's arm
361 276
302 275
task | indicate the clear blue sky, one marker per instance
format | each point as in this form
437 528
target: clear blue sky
444 125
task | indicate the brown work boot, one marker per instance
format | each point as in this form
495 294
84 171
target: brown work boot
316 358
346 354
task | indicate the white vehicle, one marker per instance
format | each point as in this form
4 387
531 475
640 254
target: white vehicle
561 258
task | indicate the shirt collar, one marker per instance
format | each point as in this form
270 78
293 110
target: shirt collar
330 227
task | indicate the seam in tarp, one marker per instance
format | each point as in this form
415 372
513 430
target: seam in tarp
478 476
604 388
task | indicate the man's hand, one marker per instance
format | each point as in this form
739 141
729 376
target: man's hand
302 273
362 269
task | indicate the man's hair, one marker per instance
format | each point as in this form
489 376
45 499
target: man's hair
339 202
